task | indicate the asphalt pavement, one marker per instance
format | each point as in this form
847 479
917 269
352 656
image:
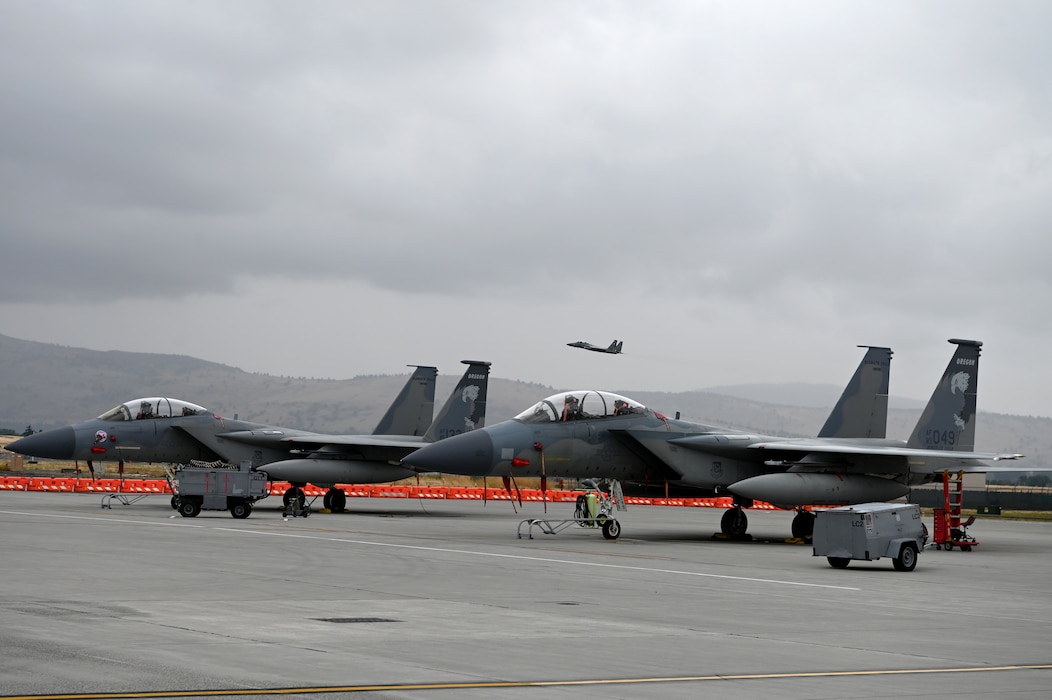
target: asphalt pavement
400 598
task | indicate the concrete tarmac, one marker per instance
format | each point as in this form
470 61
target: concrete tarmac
440 599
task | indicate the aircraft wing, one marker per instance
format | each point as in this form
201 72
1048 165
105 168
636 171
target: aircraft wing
263 437
920 461
858 455
882 451
369 447
323 441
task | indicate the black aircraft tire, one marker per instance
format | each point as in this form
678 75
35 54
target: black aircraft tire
907 558
337 500
838 562
326 500
611 529
734 522
804 525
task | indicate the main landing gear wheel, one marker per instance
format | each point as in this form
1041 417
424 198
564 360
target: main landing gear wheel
611 529
734 522
804 525
907 558
335 500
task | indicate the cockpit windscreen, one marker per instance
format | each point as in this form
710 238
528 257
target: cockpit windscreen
580 405
154 407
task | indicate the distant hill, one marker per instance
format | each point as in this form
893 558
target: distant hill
45 386
809 395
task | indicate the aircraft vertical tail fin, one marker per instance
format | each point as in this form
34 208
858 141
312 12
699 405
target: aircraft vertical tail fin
465 409
948 421
862 411
615 347
412 409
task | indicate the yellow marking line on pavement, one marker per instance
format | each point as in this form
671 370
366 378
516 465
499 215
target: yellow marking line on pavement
482 685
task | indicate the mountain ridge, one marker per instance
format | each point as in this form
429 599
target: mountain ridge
46 385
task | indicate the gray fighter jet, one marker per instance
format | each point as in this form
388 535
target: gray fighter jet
596 434
614 348
325 462
174 431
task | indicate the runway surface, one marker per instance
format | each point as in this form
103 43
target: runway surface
439 599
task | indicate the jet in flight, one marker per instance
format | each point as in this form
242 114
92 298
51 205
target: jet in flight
614 348
172 431
596 434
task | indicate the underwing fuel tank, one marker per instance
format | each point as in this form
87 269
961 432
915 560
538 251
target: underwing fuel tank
818 489
334 471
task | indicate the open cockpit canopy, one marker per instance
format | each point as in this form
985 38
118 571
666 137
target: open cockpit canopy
153 407
580 405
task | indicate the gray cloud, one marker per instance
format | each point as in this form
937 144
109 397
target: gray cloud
827 170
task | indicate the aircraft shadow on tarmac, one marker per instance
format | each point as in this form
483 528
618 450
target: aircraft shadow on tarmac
716 538
422 513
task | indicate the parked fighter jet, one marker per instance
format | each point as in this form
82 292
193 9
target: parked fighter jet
614 348
598 434
175 431
326 460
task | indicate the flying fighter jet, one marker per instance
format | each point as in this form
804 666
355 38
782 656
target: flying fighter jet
614 348
175 431
597 434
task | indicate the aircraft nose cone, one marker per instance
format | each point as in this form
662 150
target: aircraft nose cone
470 454
50 444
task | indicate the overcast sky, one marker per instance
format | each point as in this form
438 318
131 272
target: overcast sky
740 191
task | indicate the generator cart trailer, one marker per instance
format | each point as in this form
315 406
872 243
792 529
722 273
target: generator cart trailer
869 531
217 486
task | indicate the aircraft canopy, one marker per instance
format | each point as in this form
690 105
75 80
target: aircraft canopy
153 407
580 405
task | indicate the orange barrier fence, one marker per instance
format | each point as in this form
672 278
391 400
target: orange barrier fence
13 483
278 488
75 485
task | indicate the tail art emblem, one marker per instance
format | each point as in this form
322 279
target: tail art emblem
959 385
469 395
